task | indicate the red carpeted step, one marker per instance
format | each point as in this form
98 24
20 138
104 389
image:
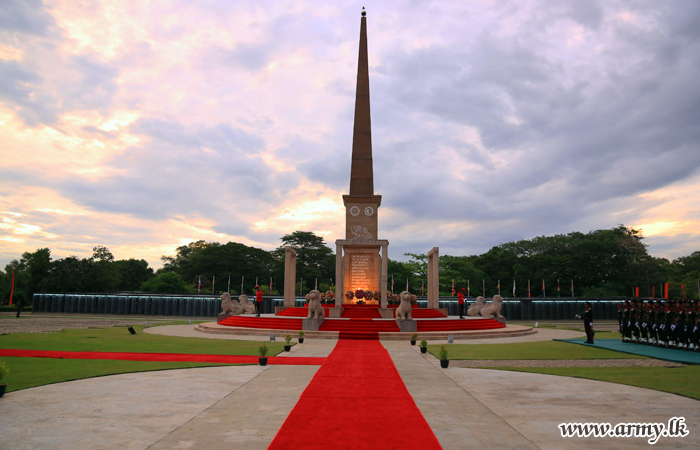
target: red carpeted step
458 325
272 323
369 335
359 325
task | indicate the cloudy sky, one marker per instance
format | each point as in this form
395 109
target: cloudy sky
143 125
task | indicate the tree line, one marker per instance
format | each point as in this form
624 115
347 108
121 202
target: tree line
611 262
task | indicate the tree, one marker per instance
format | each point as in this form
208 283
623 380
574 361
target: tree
165 283
314 259
132 273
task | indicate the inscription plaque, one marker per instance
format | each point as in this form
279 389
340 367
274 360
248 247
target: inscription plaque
361 269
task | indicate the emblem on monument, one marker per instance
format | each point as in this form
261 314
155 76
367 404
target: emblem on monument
354 210
361 232
369 211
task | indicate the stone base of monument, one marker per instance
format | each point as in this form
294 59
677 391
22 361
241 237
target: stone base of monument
279 309
311 324
387 313
501 320
407 326
335 313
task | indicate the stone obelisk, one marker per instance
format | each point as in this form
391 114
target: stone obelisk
358 263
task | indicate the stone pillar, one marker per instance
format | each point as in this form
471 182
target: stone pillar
383 276
290 275
434 278
339 290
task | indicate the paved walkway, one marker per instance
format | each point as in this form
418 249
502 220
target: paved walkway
242 407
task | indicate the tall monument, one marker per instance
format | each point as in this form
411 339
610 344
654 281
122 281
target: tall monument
358 262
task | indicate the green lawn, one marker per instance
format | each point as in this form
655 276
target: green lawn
529 350
675 380
30 372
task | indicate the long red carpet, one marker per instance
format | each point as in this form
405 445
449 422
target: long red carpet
356 400
165 357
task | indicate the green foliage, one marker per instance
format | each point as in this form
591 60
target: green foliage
288 339
423 343
315 260
262 350
301 333
414 336
165 283
3 370
531 350
442 355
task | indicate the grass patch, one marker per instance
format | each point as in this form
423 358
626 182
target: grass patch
529 350
31 372
118 339
674 380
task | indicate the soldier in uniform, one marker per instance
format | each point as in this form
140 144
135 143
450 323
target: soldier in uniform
644 323
661 314
587 317
635 321
695 333
652 324
619 318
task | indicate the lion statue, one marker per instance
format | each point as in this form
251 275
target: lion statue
403 312
492 309
246 306
315 309
476 307
230 306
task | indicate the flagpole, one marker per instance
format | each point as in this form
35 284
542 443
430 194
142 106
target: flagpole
499 287
242 284
528 288
213 280
468 288
513 287
572 288
228 289
483 287
543 294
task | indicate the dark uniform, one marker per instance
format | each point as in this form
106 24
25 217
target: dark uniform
588 323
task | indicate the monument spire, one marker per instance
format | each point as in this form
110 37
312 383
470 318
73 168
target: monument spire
361 204
361 173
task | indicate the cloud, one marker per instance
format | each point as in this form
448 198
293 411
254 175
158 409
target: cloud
26 17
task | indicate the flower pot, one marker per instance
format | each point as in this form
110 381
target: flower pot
444 363
287 348
301 340
263 360
423 349
3 388
413 342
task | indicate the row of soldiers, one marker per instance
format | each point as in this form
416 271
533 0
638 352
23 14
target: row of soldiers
669 324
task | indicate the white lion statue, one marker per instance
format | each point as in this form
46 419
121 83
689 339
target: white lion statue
492 309
246 306
476 307
315 309
403 312
230 306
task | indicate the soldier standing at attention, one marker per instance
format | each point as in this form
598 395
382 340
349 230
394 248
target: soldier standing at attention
588 323
258 299
460 299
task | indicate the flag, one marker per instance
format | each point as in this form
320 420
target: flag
270 285
199 285
468 288
483 287
228 289
12 288
572 288
558 295
499 287
213 277
653 292
453 287
513 287
528 288
407 284
543 294
422 287
392 285
316 284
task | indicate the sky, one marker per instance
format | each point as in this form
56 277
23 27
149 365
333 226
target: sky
145 125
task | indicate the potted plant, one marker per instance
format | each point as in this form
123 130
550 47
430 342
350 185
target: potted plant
301 336
423 346
414 336
262 351
442 356
3 371
288 339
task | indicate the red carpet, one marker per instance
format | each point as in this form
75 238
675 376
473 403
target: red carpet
165 357
356 400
